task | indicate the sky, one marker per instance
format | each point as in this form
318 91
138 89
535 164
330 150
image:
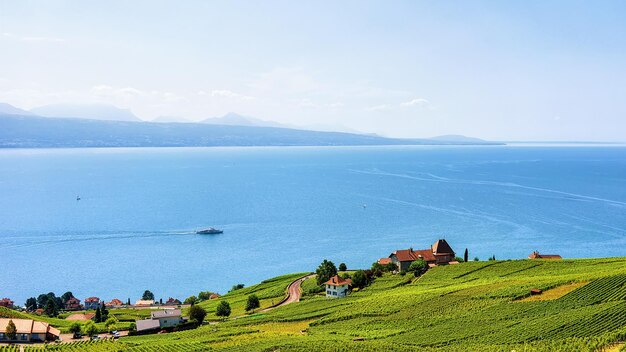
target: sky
498 70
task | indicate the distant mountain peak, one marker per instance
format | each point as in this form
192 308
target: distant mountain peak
12 110
94 111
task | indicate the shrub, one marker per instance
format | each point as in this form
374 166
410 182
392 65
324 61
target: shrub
252 303
223 309
90 328
343 267
418 267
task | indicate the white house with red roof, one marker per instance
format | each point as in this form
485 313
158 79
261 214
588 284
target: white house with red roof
337 287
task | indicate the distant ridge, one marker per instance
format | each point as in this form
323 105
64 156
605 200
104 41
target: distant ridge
457 138
86 111
46 132
233 119
12 110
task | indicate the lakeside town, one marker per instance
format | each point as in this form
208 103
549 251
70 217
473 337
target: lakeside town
95 319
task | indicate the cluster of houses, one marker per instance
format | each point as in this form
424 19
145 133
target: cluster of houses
94 302
440 253
28 330
7 303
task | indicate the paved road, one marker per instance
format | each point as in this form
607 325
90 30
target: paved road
293 293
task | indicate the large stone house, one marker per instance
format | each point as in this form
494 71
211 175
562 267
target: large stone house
439 253
73 304
337 287
161 319
29 330
92 303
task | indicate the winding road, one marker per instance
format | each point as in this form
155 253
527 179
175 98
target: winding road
293 293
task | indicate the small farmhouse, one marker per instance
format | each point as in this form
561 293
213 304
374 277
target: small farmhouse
29 330
536 255
172 302
161 319
144 303
337 286
5 302
92 303
73 304
439 253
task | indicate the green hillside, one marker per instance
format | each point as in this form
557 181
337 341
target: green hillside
475 306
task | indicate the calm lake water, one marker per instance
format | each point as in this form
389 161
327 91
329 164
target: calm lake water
285 209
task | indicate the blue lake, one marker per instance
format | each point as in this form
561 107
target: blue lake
286 209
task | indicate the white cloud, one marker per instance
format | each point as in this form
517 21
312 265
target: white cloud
417 102
225 93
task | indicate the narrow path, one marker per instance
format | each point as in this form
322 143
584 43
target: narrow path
293 293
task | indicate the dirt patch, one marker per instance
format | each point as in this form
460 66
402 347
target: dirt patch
556 292
79 316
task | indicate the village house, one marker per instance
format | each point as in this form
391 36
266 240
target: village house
144 303
73 304
172 302
92 303
337 287
29 330
439 253
5 302
114 303
161 319
536 255
384 261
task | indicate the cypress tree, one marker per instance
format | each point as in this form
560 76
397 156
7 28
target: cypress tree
98 317
465 255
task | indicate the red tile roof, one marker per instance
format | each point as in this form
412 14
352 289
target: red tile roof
384 261
92 299
338 281
115 302
409 255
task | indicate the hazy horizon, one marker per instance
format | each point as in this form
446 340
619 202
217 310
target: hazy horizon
530 71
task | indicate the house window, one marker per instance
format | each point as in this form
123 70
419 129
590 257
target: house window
1 336
334 293
24 337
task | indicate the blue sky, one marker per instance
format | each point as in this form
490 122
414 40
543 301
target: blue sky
505 70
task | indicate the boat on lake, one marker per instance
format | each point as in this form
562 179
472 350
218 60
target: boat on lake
209 231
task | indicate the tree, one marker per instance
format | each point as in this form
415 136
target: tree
204 295
42 299
223 309
476 259
492 258
343 267
160 300
110 324
236 287
31 304
104 312
418 267
197 313
75 328
98 317
132 326
252 303
147 296
359 279
325 271
128 302
50 309
66 296
191 300
11 331
90 328
465 255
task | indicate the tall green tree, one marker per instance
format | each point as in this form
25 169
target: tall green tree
359 279
50 309
252 303
104 312
197 313
465 255
98 317
204 295
147 295
325 271
31 304
343 267
66 296
11 330
223 309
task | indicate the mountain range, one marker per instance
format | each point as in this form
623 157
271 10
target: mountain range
68 126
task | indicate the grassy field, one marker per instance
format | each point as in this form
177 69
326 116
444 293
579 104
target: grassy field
475 306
